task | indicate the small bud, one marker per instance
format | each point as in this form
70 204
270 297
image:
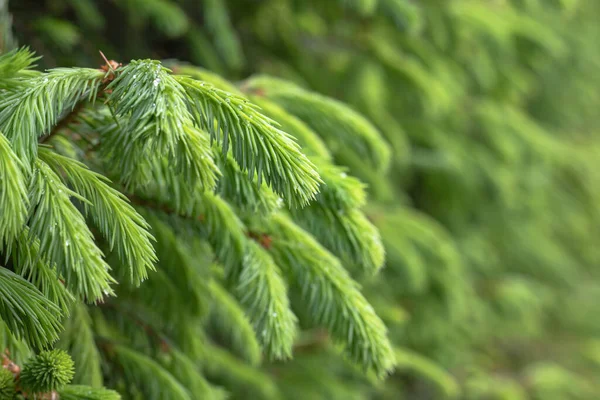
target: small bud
7 384
48 371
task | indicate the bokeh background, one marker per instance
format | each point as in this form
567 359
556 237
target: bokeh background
490 210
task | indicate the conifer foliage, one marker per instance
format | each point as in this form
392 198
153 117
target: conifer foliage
300 199
139 192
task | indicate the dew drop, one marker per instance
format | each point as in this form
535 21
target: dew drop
274 314
343 174
279 202
156 82
241 107
134 76
67 243
228 100
106 292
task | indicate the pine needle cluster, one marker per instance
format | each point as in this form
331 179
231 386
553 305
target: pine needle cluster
213 225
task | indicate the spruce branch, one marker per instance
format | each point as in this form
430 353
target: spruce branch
331 297
257 144
27 313
151 107
311 142
232 326
252 275
148 376
246 195
13 193
65 239
186 370
347 233
124 228
27 115
263 294
15 63
179 267
28 261
243 380
82 392
339 126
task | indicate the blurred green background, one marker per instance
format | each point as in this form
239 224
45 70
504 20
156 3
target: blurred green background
489 212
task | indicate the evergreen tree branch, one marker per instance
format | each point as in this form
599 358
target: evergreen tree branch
330 296
13 194
240 191
262 292
82 392
28 261
156 124
258 146
149 377
27 313
65 239
232 325
124 228
26 115
244 382
338 125
346 233
188 373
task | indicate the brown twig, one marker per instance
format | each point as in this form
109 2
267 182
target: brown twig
261 238
316 341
